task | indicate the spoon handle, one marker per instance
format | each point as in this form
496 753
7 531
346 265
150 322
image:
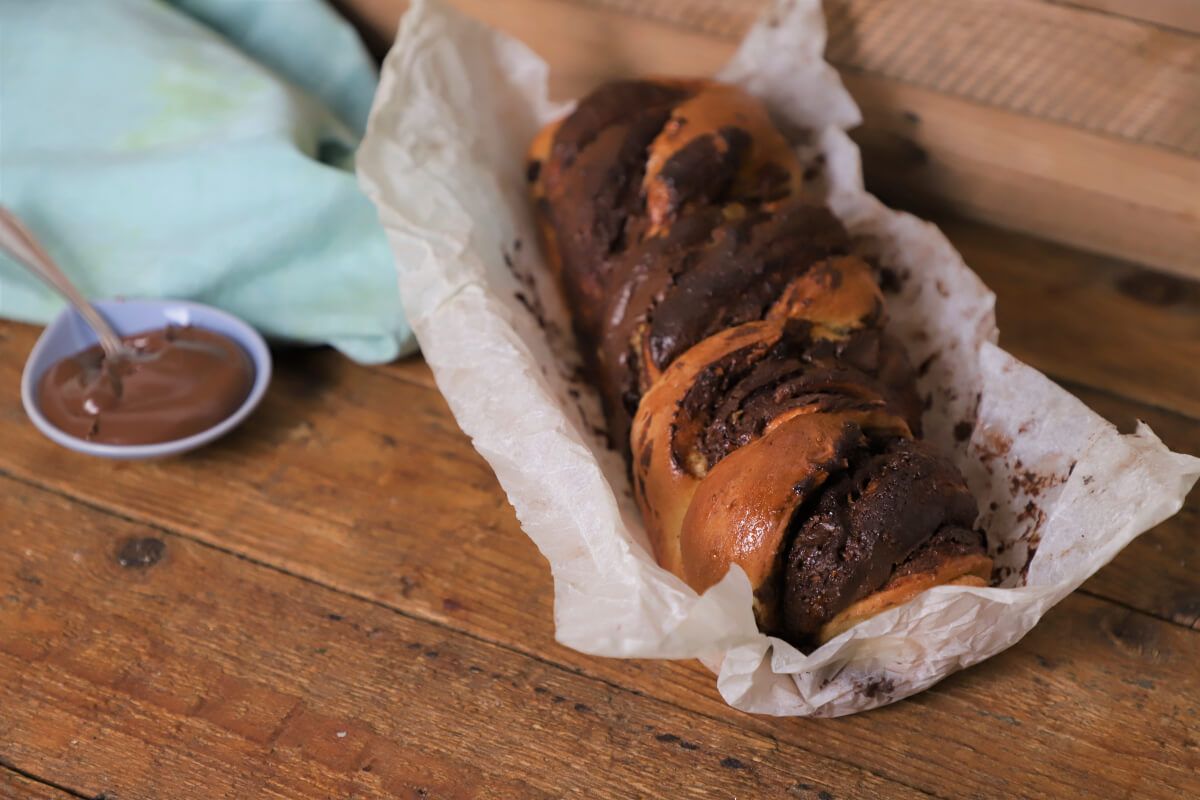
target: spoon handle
17 241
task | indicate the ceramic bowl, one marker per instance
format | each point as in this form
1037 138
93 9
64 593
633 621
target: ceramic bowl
69 334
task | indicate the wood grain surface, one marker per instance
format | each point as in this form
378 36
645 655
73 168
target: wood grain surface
1182 15
1104 72
356 483
278 688
337 601
15 786
112 666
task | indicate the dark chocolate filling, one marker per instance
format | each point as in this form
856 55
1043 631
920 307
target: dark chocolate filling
612 104
703 275
592 208
741 273
639 278
733 399
703 170
896 496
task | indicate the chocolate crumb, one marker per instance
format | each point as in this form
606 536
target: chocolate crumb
876 686
889 281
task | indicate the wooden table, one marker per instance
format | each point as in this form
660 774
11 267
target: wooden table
336 601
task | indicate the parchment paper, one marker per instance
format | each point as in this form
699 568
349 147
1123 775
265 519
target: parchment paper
1061 491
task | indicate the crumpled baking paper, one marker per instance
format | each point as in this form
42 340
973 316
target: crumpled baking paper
1061 491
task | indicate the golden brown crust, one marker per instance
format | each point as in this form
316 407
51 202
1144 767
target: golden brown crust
715 107
539 151
837 295
699 522
741 510
662 484
967 570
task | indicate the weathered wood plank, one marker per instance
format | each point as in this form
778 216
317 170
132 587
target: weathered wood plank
180 671
362 482
14 786
183 684
1156 573
203 674
1183 15
584 45
1088 319
1066 66
934 152
975 113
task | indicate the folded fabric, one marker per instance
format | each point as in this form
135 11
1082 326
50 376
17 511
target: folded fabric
198 149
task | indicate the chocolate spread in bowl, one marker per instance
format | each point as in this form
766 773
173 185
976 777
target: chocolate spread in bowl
179 381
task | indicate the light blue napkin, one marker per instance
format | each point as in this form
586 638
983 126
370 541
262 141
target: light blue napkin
198 149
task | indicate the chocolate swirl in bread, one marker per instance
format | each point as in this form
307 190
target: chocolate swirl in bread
739 347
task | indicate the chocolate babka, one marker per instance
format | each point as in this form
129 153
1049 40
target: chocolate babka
739 347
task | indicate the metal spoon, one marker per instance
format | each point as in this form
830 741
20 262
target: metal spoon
17 241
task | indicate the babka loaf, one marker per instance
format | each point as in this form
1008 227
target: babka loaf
739 347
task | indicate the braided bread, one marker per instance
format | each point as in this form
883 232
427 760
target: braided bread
739 348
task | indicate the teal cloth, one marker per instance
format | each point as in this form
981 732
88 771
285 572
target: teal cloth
198 149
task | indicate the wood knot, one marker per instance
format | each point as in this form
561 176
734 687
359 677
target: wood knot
140 552
1153 288
1134 633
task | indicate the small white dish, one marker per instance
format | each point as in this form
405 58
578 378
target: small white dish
68 334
